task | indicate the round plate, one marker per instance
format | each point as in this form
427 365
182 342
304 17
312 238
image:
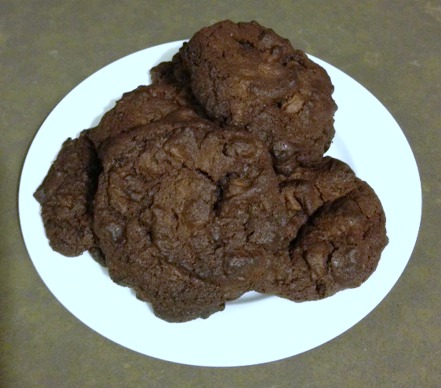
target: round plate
255 328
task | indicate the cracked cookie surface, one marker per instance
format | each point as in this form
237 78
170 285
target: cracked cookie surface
337 226
66 196
247 76
189 199
141 106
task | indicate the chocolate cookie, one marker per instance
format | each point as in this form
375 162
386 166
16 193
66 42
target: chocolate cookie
191 200
247 76
66 196
337 248
141 106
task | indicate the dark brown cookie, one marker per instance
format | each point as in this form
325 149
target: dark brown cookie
66 196
247 76
141 106
337 248
191 200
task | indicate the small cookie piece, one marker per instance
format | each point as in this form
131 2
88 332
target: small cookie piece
337 248
66 197
172 73
188 214
246 75
145 104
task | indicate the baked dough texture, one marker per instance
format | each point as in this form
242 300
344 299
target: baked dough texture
246 75
192 201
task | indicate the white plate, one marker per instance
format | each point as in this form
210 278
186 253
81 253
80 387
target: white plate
254 329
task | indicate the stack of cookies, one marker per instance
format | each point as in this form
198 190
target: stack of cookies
211 182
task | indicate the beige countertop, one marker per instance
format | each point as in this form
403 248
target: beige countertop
393 48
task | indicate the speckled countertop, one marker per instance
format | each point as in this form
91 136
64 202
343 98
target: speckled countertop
391 47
